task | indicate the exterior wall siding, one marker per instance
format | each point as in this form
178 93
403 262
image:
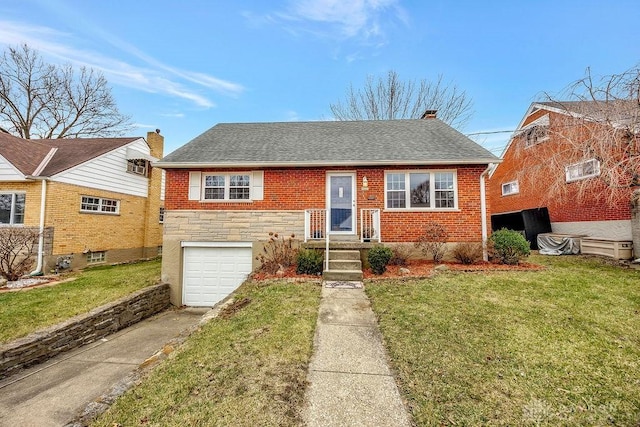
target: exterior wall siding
8 172
109 172
297 189
77 231
567 209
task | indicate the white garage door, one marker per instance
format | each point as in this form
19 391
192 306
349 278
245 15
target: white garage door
212 273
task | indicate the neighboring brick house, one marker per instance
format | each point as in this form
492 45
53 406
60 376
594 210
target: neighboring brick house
232 185
97 200
572 187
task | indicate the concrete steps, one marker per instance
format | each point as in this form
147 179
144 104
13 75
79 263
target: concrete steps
344 265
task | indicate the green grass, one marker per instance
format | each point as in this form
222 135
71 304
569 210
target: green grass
27 311
247 368
556 347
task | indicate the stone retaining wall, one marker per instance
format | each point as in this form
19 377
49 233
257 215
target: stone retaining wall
82 329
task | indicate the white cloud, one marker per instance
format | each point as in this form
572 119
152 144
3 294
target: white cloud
363 19
144 126
152 76
173 115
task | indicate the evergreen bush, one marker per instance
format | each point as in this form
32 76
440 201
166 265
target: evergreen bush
508 246
309 262
378 257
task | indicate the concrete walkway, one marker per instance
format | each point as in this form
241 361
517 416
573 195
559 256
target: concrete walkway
350 383
54 392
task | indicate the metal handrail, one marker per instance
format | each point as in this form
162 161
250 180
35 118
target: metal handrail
370 225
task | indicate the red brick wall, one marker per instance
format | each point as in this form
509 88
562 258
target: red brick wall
569 207
299 189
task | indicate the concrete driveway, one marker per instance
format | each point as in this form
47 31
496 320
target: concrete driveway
55 392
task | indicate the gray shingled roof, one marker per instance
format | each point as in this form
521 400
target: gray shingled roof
428 141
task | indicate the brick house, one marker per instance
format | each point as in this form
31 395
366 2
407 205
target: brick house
345 180
96 200
575 186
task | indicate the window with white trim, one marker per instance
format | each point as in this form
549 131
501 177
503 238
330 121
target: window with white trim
421 190
582 170
510 188
226 186
96 257
138 166
91 204
12 208
229 187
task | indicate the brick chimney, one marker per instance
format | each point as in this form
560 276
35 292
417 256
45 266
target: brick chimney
156 143
429 114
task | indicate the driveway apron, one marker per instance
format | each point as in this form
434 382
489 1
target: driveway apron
54 392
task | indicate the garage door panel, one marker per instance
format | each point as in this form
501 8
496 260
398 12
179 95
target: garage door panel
212 273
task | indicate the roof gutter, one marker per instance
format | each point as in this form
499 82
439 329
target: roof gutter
196 165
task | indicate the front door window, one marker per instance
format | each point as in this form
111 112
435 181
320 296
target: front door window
341 203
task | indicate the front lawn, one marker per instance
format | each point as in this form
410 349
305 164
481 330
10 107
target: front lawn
246 367
26 311
554 347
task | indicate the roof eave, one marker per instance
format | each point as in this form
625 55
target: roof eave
216 165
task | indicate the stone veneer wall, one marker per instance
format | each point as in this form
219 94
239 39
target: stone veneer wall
220 226
82 329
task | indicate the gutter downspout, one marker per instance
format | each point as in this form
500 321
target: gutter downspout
483 213
43 200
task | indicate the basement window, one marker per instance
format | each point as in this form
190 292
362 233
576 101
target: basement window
96 257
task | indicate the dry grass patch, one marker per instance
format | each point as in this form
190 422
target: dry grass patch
553 347
245 368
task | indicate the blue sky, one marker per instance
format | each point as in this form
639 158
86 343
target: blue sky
184 66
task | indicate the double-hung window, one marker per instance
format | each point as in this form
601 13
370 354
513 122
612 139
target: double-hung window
232 186
421 190
12 208
582 170
99 205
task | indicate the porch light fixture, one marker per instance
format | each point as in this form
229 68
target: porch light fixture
365 183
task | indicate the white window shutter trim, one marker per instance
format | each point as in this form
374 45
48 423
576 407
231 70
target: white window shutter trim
195 182
258 185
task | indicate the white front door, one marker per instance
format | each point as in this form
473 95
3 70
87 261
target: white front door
341 201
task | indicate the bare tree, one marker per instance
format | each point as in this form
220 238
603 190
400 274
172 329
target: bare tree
40 100
18 248
390 98
596 134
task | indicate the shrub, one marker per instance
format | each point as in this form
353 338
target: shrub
378 257
433 241
309 262
18 248
277 253
467 252
508 246
400 255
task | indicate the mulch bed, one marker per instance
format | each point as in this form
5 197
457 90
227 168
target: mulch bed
417 269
